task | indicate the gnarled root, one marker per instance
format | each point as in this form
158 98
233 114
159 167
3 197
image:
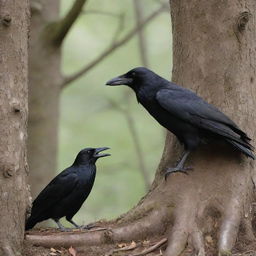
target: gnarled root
150 225
214 204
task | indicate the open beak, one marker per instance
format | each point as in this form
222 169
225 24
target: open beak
119 81
98 150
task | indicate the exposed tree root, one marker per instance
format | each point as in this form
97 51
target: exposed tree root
248 229
229 227
198 242
7 250
140 229
179 233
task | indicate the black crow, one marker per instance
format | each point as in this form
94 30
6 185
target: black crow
183 113
65 194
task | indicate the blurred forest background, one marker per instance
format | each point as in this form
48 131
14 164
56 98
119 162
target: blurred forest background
93 115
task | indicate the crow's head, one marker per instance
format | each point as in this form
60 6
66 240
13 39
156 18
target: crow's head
90 155
134 78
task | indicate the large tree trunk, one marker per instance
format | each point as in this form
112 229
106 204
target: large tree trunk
44 95
14 19
214 55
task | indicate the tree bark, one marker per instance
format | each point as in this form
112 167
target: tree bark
214 55
209 211
14 193
44 95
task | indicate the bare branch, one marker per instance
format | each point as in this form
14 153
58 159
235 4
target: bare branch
152 248
135 138
141 33
119 28
113 47
63 26
138 149
101 13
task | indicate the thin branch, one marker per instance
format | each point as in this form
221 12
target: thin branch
119 28
132 246
101 13
138 149
63 25
141 33
113 47
136 142
151 249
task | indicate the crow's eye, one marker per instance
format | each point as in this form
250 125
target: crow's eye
133 74
88 151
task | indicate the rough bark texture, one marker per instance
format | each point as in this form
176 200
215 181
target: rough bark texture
14 19
214 55
209 211
44 94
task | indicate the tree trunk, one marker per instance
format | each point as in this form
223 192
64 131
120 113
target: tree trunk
44 94
206 211
214 55
14 194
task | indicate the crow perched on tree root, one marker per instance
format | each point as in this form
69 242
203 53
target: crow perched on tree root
65 194
183 113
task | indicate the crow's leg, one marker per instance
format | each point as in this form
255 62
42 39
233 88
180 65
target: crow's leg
61 227
73 223
180 166
82 226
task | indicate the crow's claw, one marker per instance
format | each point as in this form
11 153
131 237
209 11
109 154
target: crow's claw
189 168
88 227
65 229
177 169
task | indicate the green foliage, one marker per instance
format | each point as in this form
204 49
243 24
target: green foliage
86 116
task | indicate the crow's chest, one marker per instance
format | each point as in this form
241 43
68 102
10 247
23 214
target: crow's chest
149 102
86 181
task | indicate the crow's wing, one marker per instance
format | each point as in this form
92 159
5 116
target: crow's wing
61 186
187 106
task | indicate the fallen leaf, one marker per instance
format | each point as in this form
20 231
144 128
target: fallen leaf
209 239
72 251
131 246
53 253
121 245
53 250
146 242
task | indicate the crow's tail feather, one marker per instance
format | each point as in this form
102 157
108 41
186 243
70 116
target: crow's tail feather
245 150
30 223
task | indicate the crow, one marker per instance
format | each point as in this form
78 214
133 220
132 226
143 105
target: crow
183 113
65 194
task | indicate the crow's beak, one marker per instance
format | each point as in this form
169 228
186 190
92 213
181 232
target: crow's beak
119 80
98 150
